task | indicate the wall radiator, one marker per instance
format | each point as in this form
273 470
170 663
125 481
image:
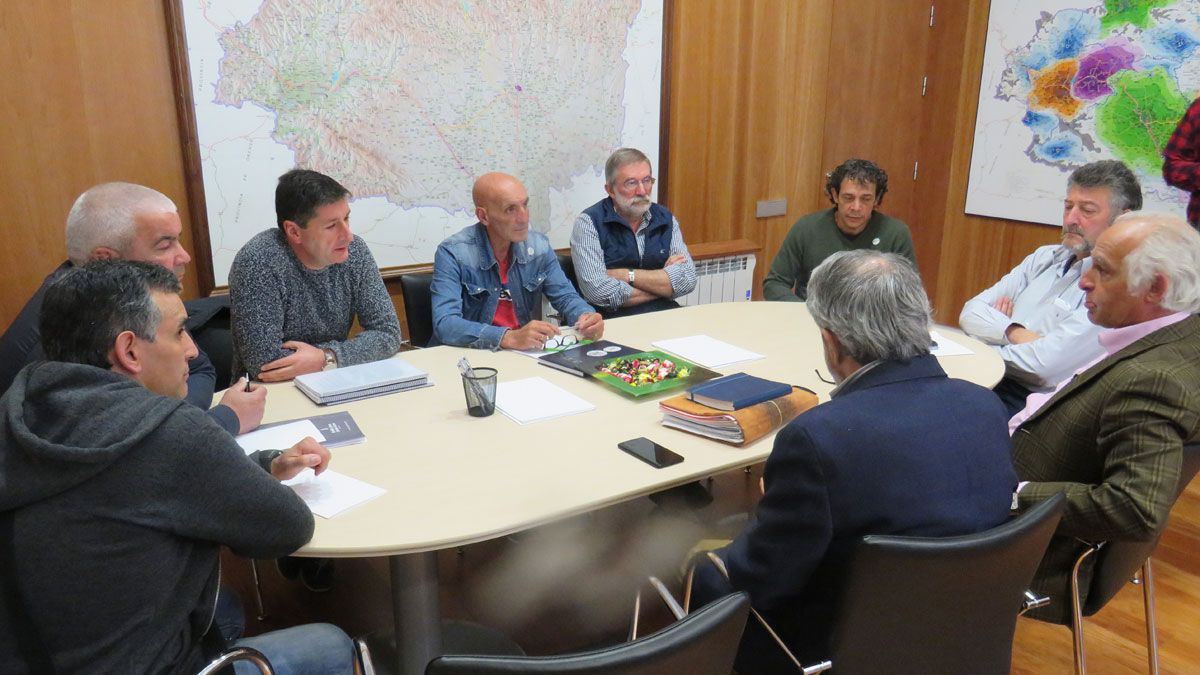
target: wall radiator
728 279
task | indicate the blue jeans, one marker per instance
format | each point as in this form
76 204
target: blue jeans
316 648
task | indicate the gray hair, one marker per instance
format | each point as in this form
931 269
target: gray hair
620 158
105 216
1124 190
86 309
874 303
1172 249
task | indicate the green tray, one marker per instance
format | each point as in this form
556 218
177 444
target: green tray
657 387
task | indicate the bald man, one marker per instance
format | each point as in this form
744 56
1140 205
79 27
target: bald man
1112 436
488 279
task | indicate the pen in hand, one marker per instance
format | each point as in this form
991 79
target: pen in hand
247 381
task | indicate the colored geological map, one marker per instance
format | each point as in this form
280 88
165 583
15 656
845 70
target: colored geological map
1066 83
407 103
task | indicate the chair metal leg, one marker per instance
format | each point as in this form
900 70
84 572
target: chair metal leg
1077 614
258 596
1151 626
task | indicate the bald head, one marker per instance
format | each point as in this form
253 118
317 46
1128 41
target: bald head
1146 266
502 205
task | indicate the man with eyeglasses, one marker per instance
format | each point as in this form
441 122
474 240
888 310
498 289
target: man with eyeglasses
628 252
856 188
488 279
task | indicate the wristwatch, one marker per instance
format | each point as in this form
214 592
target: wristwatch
630 276
330 358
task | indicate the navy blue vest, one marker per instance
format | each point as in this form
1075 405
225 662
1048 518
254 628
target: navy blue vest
620 244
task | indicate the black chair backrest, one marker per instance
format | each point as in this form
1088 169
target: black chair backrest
702 643
1116 561
940 605
208 322
418 306
568 267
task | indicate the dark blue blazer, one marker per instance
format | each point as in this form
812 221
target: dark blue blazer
901 450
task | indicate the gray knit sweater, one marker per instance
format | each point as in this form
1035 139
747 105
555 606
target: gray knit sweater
276 298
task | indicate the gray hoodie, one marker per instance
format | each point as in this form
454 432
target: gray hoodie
114 502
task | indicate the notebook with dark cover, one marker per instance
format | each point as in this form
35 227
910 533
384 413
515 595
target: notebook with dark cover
737 391
339 428
582 360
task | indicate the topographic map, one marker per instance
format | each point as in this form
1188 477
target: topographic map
1070 82
407 103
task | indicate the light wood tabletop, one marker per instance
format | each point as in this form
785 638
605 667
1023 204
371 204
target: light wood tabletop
492 476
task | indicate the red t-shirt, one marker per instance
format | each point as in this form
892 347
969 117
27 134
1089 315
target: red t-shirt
506 316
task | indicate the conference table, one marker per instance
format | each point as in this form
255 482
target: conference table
489 477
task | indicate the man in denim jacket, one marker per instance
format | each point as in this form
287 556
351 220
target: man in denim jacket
489 278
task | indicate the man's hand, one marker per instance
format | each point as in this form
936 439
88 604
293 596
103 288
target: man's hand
619 273
304 359
247 405
1018 334
1004 305
590 325
307 454
676 259
530 336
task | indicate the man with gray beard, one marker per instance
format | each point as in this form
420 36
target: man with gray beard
1034 316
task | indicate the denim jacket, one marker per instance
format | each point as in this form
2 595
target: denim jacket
466 287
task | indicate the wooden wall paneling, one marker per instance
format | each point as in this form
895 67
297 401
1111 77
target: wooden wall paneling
43 157
943 67
79 112
744 122
976 251
132 91
877 55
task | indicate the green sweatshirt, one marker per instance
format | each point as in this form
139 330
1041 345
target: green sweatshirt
815 237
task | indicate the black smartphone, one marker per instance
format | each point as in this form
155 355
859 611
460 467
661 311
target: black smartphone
650 452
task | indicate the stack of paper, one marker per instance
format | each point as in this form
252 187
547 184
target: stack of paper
362 381
708 352
279 436
942 346
331 493
534 399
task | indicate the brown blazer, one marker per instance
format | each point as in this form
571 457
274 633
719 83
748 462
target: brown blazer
1112 440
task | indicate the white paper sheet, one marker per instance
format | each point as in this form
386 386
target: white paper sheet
281 437
706 351
944 346
534 399
331 493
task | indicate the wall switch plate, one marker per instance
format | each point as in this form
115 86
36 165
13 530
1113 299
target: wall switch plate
770 208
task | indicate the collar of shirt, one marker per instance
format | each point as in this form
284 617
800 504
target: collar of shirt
1115 339
854 377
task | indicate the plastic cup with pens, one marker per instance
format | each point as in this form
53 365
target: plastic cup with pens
479 386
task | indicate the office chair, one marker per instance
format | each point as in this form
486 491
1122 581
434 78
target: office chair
1117 563
942 605
231 656
418 307
208 323
568 267
702 643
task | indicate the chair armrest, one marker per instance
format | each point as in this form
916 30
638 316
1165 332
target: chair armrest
239 654
669 600
806 670
1033 601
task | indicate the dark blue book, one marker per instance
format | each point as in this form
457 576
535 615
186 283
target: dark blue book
737 391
